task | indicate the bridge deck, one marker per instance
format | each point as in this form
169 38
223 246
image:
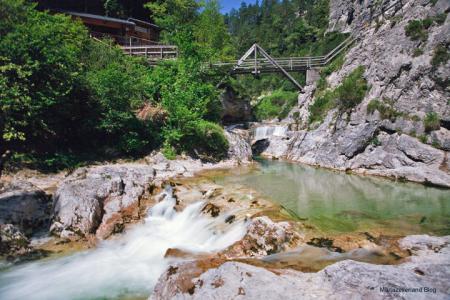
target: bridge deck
264 65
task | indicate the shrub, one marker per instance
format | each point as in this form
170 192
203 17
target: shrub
440 56
417 52
416 30
386 110
423 138
277 105
431 122
352 90
440 18
321 105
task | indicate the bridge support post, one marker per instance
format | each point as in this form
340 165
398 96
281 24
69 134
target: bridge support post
312 75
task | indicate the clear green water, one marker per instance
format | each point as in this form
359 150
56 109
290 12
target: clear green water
338 202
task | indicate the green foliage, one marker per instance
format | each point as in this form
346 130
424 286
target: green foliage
192 104
322 104
375 141
385 109
440 56
276 105
440 18
41 77
345 96
416 30
352 90
431 122
423 138
417 52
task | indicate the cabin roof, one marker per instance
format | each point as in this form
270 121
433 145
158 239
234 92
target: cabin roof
98 17
143 22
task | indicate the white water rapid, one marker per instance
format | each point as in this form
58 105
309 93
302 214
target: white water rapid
264 132
128 266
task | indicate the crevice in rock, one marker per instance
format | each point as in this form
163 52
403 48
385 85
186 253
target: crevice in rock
445 124
260 146
405 67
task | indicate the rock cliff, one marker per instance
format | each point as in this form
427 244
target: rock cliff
401 128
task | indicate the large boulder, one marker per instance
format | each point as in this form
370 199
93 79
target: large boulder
25 206
425 276
100 200
264 237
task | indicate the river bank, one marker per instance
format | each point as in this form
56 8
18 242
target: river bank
107 218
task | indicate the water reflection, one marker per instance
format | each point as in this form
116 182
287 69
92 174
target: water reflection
341 202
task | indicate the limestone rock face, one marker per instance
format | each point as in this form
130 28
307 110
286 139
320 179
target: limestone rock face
25 206
405 81
428 268
100 199
239 146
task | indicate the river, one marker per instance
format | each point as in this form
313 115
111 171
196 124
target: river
128 266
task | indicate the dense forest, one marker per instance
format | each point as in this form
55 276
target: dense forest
67 99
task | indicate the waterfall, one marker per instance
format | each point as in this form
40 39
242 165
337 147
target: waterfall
129 265
266 131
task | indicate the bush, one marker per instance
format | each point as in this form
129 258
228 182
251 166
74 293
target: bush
345 96
417 52
440 56
277 105
386 111
352 90
416 31
320 107
431 122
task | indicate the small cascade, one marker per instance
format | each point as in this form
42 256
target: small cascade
267 131
129 265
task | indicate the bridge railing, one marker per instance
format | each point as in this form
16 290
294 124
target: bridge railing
152 53
288 63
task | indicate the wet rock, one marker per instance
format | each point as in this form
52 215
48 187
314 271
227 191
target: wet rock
12 241
25 206
264 237
178 278
324 243
99 200
211 209
346 279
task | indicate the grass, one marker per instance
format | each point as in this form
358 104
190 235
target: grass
277 105
431 122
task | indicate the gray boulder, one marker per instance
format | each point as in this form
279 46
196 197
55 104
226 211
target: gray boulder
25 206
424 276
99 200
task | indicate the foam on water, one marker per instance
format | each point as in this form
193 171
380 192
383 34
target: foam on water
129 265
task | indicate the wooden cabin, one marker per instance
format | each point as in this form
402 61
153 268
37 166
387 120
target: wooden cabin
130 32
